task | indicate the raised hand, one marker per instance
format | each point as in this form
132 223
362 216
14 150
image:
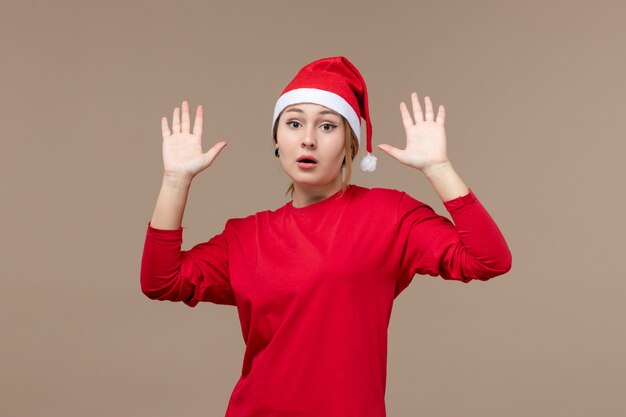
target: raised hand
182 150
425 138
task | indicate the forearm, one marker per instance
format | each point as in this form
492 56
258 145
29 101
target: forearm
170 206
483 252
446 181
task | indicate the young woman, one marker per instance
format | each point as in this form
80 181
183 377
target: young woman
314 281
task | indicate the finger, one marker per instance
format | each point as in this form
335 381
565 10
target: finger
176 121
394 152
417 109
441 114
197 125
185 122
407 121
165 130
429 108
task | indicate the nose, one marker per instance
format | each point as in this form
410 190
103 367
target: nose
309 139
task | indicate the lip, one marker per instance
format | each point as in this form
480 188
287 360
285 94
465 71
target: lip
311 157
306 165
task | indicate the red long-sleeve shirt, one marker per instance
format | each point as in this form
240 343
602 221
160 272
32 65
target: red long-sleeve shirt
314 289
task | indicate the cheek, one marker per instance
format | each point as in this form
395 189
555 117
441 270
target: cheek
339 147
285 143
282 139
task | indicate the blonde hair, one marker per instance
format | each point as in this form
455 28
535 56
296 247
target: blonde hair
351 146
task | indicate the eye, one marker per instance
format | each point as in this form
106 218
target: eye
292 121
331 126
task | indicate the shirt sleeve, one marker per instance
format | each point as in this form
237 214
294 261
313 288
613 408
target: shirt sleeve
198 274
470 248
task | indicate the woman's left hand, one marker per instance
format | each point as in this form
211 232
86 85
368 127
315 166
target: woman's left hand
425 139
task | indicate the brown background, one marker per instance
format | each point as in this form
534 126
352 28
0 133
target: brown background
534 94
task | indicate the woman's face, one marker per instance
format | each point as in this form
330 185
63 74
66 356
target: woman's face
307 129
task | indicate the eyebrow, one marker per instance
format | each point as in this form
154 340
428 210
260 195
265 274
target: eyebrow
295 109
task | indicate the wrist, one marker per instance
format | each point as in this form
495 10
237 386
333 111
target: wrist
438 170
446 181
177 180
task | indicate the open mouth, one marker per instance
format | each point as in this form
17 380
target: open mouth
307 159
307 162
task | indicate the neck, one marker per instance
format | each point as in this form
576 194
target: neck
305 195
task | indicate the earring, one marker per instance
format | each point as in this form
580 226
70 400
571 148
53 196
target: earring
276 153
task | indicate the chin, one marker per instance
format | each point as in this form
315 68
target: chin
309 183
310 178
312 182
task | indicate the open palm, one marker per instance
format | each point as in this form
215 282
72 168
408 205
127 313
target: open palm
425 138
182 150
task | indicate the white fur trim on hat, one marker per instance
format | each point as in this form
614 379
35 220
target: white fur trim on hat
325 98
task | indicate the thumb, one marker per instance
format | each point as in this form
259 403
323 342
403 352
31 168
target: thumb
212 153
390 150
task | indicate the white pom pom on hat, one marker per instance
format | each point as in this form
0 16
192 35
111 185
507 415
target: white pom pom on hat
333 82
368 163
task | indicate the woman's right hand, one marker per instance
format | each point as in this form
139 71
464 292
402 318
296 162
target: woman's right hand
182 151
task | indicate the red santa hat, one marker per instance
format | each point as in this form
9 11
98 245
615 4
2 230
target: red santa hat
335 83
